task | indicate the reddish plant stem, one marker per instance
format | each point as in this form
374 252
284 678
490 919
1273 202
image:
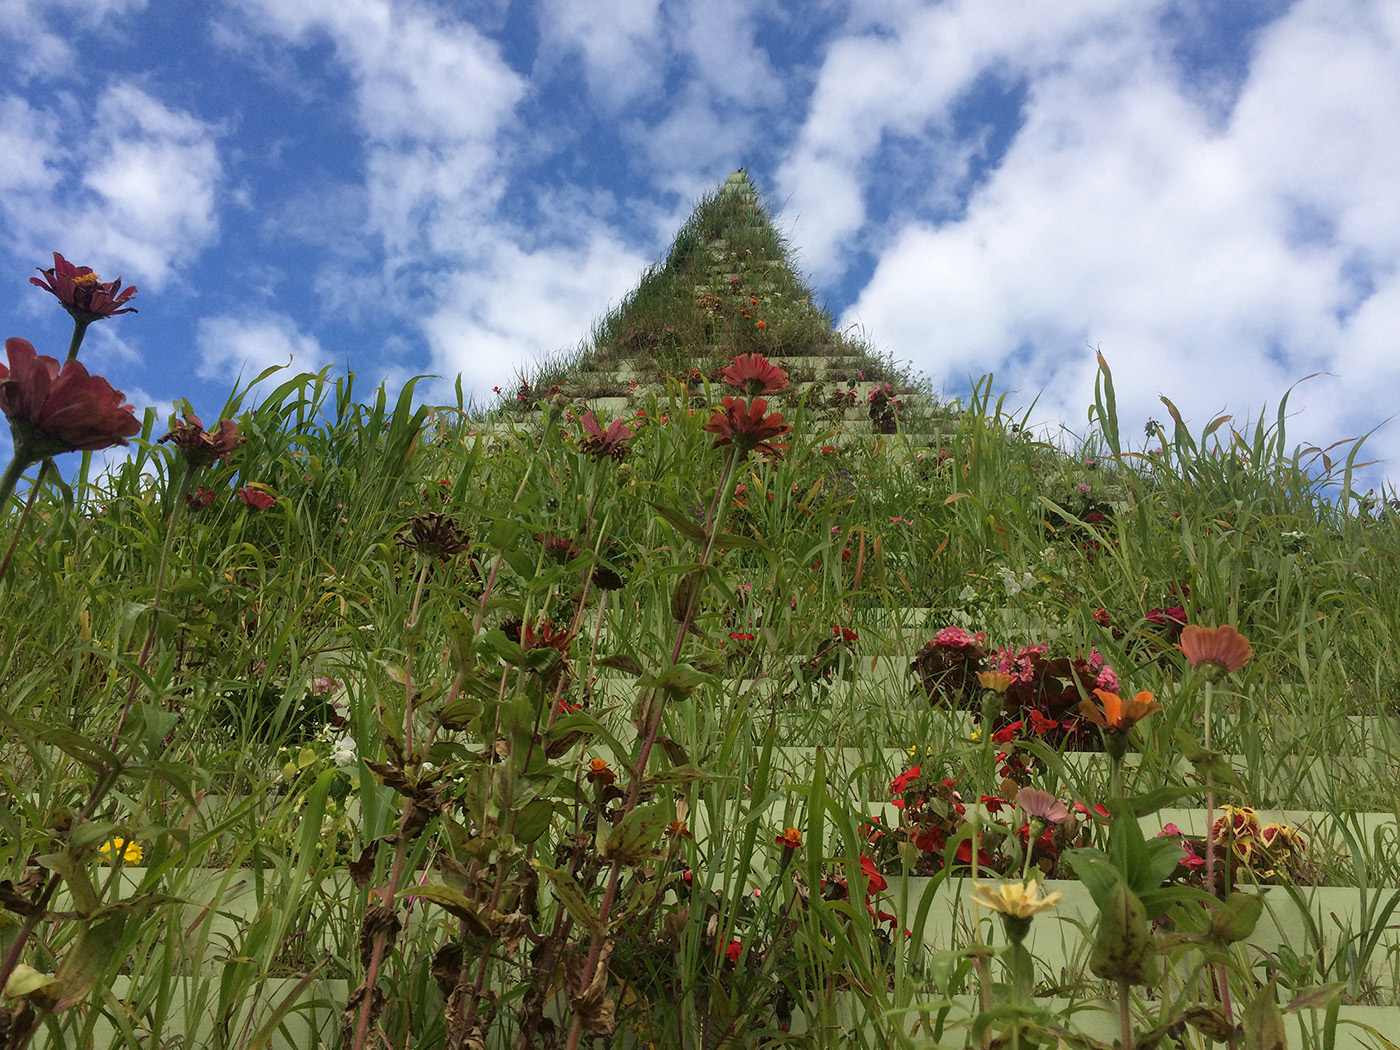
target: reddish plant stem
658 706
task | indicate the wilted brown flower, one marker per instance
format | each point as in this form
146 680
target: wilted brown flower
83 294
55 409
202 447
434 535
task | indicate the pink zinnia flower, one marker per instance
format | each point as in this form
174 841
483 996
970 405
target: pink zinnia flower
256 498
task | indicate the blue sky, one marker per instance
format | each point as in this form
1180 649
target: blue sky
1208 191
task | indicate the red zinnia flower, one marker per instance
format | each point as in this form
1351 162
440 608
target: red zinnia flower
599 443
748 427
83 294
791 838
53 409
1215 651
754 374
256 498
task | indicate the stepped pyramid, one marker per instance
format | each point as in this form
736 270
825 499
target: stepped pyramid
728 287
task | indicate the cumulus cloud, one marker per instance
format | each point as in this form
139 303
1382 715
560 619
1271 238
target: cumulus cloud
42 50
231 345
136 193
1205 252
525 305
621 44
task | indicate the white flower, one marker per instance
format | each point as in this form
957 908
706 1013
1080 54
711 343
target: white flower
343 754
967 594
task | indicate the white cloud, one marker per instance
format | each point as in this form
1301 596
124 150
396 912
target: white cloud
523 306
29 150
232 345
44 52
1214 260
154 173
135 195
621 43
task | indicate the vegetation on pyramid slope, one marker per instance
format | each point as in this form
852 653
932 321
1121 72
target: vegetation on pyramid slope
504 738
727 287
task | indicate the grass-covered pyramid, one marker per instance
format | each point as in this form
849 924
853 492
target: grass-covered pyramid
728 709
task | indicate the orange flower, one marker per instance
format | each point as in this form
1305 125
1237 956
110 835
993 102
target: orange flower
600 772
791 838
1118 715
761 325
1215 651
996 681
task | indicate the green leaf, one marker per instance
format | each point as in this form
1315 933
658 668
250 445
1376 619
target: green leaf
681 523
634 838
532 820
1263 1023
1236 917
678 678
96 947
732 541
452 901
568 892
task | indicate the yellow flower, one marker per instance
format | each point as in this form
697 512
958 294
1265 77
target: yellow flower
1019 900
129 852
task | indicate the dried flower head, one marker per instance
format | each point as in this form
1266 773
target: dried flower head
202 447
82 293
1215 651
435 535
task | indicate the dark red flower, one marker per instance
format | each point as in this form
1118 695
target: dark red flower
83 294
548 635
53 409
598 442
202 447
844 633
256 498
199 498
748 427
734 950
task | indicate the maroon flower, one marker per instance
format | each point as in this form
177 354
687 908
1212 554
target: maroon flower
256 498
53 409
203 447
199 498
754 374
599 443
748 427
83 294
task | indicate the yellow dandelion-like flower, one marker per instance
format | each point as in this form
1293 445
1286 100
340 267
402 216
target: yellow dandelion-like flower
1019 900
129 852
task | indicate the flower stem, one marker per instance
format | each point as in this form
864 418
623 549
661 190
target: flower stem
79 330
8 481
718 509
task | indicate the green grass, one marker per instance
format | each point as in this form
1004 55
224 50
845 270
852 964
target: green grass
277 638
